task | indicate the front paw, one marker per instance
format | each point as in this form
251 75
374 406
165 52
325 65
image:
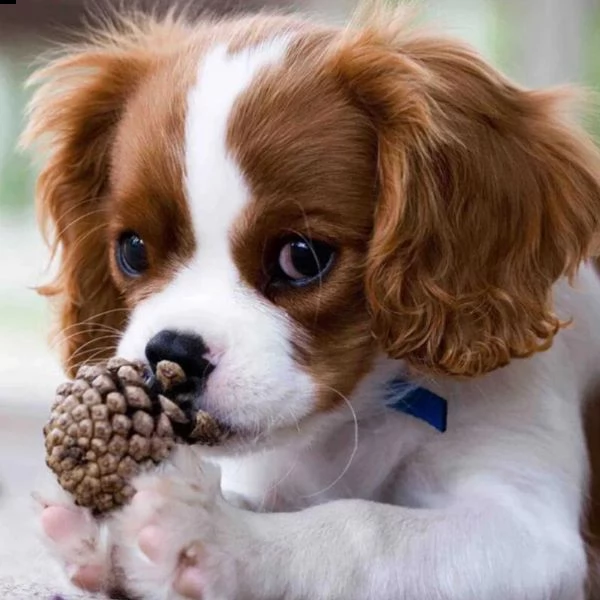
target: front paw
177 538
78 541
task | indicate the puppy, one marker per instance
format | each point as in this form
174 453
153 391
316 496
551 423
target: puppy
346 235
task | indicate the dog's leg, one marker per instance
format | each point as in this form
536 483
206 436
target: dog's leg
180 539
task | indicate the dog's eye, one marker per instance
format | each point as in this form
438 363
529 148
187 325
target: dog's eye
131 254
302 260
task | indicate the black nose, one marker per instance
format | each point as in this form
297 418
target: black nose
183 348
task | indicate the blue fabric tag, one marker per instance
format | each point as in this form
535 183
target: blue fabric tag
418 402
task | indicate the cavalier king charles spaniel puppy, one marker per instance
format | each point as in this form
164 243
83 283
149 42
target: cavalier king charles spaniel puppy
345 234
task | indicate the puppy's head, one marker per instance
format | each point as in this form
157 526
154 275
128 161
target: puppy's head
274 204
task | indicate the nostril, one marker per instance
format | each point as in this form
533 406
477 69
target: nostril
186 349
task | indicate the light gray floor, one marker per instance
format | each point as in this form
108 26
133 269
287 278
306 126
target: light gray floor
26 571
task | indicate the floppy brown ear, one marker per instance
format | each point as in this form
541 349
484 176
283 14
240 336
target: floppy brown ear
487 195
73 116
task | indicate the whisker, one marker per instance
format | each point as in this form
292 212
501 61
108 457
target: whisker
100 314
59 342
60 233
91 359
354 448
86 326
87 234
288 473
69 332
82 349
69 210
89 329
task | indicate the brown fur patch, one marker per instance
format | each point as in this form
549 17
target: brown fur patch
147 175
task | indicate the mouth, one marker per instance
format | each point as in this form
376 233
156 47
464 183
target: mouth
181 397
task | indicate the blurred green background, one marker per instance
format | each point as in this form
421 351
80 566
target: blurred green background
538 42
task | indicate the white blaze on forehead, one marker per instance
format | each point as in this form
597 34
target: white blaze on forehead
207 296
216 189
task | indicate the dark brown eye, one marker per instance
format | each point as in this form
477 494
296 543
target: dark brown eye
302 261
131 254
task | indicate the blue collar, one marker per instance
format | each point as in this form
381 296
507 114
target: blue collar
418 402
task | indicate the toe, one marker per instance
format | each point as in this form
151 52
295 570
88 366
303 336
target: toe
60 523
190 582
151 542
146 505
88 578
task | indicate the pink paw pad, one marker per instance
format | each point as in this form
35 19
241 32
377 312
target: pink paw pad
73 534
89 578
151 542
190 581
62 524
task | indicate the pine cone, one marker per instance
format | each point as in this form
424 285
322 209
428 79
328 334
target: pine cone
116 420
